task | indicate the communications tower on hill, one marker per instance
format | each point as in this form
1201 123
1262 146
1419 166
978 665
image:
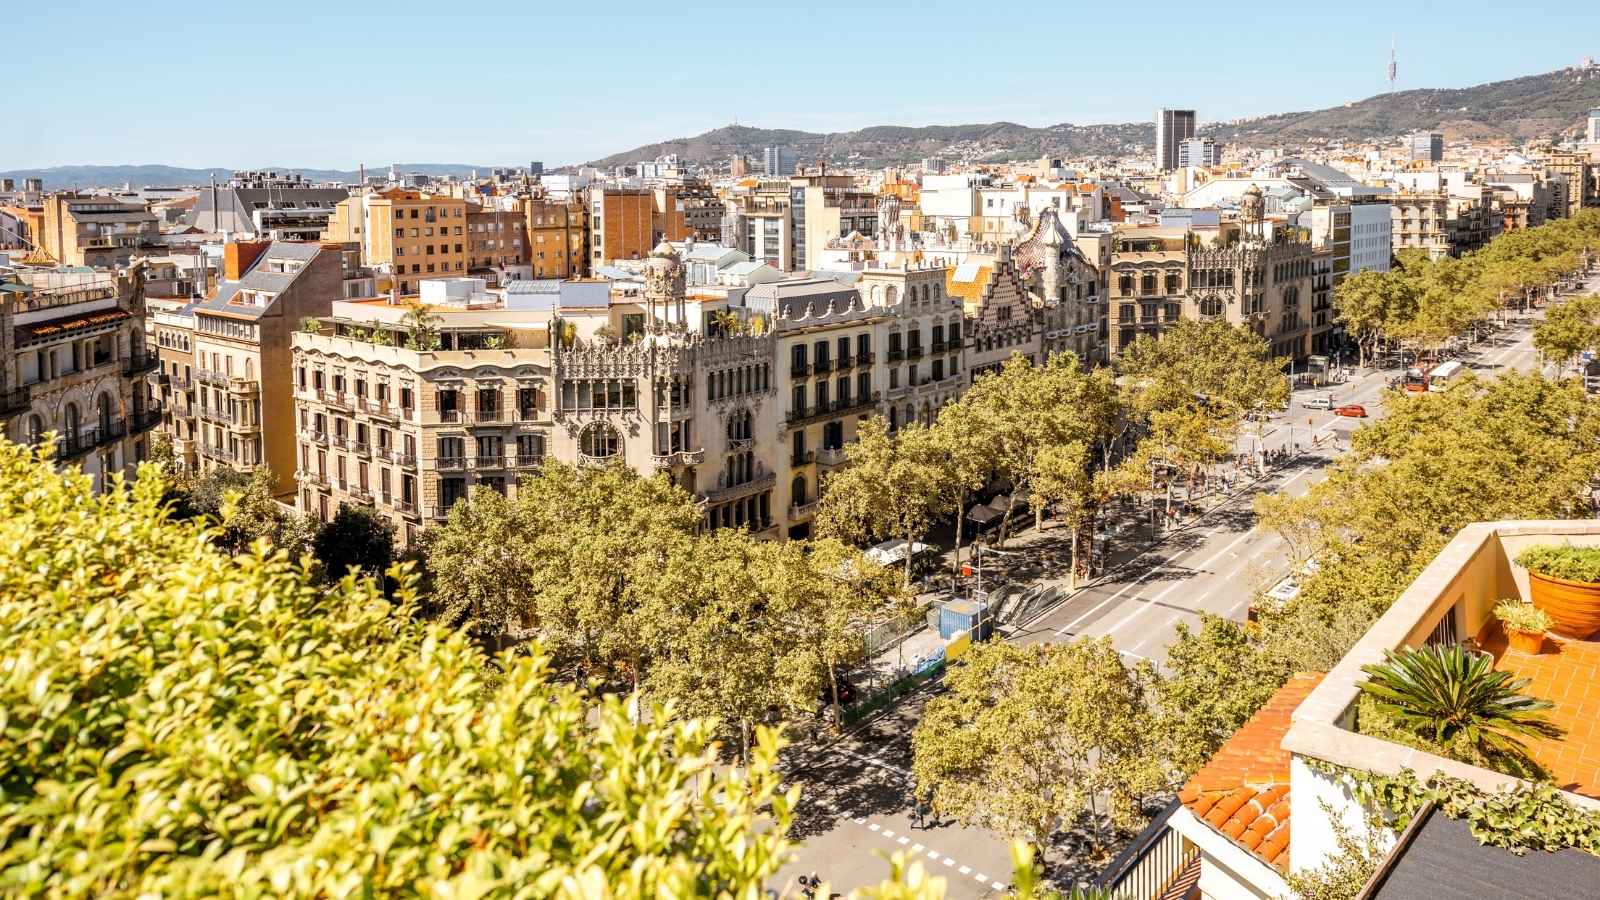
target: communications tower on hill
1393 67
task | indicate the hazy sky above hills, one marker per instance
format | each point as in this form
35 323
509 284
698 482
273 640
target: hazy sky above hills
331 85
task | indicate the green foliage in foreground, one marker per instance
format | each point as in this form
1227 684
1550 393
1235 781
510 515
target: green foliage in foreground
1563 561
181 722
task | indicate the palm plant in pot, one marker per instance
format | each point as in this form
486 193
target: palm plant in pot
1454 699
1564 581
1525 624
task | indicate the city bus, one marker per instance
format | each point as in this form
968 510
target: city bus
1416 379
1440 376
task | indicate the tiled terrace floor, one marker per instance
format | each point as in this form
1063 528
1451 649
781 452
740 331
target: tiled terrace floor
1567 673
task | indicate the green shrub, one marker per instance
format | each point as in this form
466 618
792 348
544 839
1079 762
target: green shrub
1519 616
181 722
1563 561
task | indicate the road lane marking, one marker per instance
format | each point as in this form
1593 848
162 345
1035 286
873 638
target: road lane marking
981 878
873 826
965 870
949 862
903 840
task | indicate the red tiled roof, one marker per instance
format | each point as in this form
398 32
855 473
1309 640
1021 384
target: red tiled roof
1243 791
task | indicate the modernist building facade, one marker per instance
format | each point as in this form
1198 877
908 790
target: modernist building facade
745 399
73 362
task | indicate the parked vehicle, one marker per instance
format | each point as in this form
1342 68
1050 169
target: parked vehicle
1439 376
1352 410
1323 402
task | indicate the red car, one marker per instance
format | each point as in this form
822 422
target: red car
1353 410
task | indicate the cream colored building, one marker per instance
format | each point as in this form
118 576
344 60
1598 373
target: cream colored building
73 361
747 421
241 356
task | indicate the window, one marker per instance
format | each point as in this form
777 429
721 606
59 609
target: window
599 441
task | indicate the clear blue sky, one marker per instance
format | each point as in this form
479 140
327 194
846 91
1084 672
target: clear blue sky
325 85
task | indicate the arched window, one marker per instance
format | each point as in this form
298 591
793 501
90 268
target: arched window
797 490
739 427
891 295
599 441
71 422
35 430
1210 307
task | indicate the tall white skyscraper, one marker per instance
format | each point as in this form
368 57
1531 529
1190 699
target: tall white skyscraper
1173 126
778 161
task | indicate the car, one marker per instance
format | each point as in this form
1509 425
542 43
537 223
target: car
1353 410
1317 403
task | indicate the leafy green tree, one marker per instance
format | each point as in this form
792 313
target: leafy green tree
1456 699
1371 303
558 561
1215 678
1028 739
892 485
241 509
1227 368
1569 329
357 538
422 326
182 722
1024 409
963 446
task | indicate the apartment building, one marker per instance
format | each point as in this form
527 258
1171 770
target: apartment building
1160 275
175 382
557 234
97 232
1581 174
497 244
407 233
823 207
1068 286
255 204
242 352
688 210
73 361
622 225
747 419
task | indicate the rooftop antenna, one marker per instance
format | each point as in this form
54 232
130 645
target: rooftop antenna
1392 64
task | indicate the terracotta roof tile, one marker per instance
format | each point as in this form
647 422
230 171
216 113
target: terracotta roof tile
1243 791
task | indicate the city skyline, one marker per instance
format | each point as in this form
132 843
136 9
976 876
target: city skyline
509 88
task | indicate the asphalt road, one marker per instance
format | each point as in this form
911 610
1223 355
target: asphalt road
855 808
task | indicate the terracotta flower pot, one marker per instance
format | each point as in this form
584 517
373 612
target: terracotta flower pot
1530 642
1573 605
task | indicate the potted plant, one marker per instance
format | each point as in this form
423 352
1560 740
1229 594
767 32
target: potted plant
1565 582
1525 625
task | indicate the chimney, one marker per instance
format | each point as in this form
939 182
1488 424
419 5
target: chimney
239 256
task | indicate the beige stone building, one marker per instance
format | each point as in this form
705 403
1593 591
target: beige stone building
241 354
73 361
747 419
1256 275
98 232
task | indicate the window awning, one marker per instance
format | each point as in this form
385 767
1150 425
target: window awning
56 327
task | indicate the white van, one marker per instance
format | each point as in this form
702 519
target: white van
1323 402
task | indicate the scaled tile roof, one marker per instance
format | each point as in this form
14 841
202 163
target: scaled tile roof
1243 791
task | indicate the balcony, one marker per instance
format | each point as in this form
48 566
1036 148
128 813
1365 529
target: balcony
487 416
335 400
450 462
845 363
15 401
375 407
763 480
831 456
221 417
319 479
487 463
803 458
865 359
243 386
221 454
451 416
822 365
360 448
936 347
341 441
140 363
316 437
896 354
799 369
841 406
206 376
802 510
678 458
914 351
145 420
525 461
